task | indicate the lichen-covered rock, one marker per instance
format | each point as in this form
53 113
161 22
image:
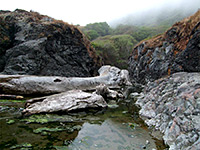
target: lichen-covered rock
35 44
172 106
176 50
73 100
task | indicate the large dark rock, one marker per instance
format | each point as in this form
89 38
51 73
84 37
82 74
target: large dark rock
171 105
176 50
34 44
189 59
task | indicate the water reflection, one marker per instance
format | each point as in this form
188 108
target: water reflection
111 129
112 135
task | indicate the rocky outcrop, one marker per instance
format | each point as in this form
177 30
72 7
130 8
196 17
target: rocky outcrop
64 102
43 85
176 50
172 106
35 44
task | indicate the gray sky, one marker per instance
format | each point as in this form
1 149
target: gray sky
84 11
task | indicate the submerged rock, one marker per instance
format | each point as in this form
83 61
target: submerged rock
73 100
45 130
171 105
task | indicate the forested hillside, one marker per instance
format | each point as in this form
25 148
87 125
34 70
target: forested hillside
114 40
114 45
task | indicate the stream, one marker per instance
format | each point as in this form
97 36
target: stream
115 128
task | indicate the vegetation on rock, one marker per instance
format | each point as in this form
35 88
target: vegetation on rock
174 51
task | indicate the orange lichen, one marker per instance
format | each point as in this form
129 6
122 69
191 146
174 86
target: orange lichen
169 71
186 96
196 91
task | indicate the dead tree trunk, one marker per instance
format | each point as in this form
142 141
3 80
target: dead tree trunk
43 85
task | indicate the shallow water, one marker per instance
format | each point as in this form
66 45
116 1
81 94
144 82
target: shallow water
112 129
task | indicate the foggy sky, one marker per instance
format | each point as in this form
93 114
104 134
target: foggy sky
89 11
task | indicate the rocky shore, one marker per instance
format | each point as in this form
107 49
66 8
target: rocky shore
168 67
65 63
171 105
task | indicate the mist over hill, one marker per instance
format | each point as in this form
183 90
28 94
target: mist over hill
166 14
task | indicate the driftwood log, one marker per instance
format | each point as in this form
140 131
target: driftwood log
29 84
64 102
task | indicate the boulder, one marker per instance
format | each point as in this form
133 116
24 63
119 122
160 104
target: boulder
73 100
34 44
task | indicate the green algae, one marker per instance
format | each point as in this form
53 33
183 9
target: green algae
36 119
46 130
10 122
13 101
49 118
107 129
23 146
40 130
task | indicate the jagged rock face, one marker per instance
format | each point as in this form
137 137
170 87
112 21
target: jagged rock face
34 44
172 106
178 49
